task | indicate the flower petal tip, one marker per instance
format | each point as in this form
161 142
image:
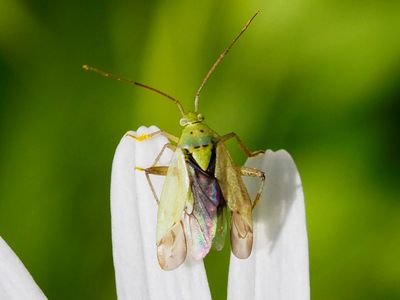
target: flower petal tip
15 281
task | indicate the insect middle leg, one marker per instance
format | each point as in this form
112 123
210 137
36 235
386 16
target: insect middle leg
246 171
145 137
156 170
242 146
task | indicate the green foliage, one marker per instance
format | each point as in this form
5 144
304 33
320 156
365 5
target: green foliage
320 79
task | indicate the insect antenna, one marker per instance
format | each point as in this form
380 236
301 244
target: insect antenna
218 61
119 78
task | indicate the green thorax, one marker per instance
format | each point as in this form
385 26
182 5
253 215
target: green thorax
197 138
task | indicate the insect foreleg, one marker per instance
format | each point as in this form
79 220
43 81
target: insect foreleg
145 137
242 146
245 171
169 146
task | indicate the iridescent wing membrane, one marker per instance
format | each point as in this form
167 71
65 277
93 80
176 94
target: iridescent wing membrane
205 217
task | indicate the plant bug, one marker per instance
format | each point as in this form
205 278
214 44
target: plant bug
202 182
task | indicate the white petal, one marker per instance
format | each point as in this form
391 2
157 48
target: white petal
278 266
15 281
134 220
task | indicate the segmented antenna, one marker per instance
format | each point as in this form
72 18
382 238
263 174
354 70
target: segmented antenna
119 78
218 61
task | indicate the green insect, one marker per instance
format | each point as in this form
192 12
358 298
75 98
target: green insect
202 183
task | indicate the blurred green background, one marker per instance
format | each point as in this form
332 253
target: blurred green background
318 78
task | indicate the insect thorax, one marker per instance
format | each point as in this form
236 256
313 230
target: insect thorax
198 140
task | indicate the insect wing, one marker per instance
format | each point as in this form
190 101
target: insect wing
207 198
238 201
220 234
171 242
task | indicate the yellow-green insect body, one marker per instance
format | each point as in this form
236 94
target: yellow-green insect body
202 182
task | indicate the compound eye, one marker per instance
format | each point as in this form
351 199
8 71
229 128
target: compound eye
183 122
200 117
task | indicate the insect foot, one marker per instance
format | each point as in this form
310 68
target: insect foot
257 153
140 138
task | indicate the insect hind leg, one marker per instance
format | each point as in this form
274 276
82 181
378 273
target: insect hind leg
245 171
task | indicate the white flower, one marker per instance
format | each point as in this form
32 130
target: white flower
15 281
278 265
277 268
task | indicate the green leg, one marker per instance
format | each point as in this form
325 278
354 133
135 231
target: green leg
169 146
242 146
245 171
159 170
156 170
145 137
